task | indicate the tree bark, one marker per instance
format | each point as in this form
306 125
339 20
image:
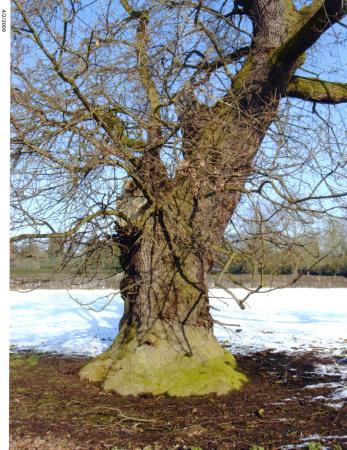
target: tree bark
165 342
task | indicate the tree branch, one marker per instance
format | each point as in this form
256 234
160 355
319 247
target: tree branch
143 65
312 22
74 229
316 90
227 59
142 39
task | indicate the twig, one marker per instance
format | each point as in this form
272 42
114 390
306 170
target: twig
109 410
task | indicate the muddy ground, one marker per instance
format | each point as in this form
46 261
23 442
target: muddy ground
52 409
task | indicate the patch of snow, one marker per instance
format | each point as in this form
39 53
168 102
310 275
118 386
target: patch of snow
340 394
51 321
312 437
320 385
290 447
284 320
337 405
316 438
323 440
338 368
318 397
334 437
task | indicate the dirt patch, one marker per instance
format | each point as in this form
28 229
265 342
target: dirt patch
52 409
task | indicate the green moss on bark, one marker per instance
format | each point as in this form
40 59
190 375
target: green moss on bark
313 89
160 366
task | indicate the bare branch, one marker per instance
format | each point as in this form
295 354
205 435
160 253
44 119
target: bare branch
311 23
316 90
72 231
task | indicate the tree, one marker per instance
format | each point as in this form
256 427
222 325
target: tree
333 245
14 253
161 123
54 247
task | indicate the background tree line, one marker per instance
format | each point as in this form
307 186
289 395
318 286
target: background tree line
257 251
54 256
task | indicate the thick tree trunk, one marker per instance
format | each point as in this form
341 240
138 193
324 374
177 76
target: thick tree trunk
165 342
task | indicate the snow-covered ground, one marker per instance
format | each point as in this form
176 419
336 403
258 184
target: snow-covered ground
287 319
292 320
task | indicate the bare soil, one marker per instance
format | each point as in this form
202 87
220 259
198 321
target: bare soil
52 409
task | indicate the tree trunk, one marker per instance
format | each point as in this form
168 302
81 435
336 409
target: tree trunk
165 342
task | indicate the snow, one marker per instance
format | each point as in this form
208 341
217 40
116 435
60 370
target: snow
52 321
282 320
340 394
286 320
316 438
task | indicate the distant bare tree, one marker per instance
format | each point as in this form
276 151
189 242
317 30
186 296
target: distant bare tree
160 125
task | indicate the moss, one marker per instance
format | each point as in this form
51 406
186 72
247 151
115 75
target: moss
176 379
240 79
21 360
163 369
317 90
22 390
95 371
314 446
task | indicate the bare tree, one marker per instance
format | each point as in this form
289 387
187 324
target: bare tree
160 125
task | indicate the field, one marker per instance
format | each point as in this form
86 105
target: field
291 343
29 279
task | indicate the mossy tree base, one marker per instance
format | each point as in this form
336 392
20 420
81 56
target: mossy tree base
196 366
